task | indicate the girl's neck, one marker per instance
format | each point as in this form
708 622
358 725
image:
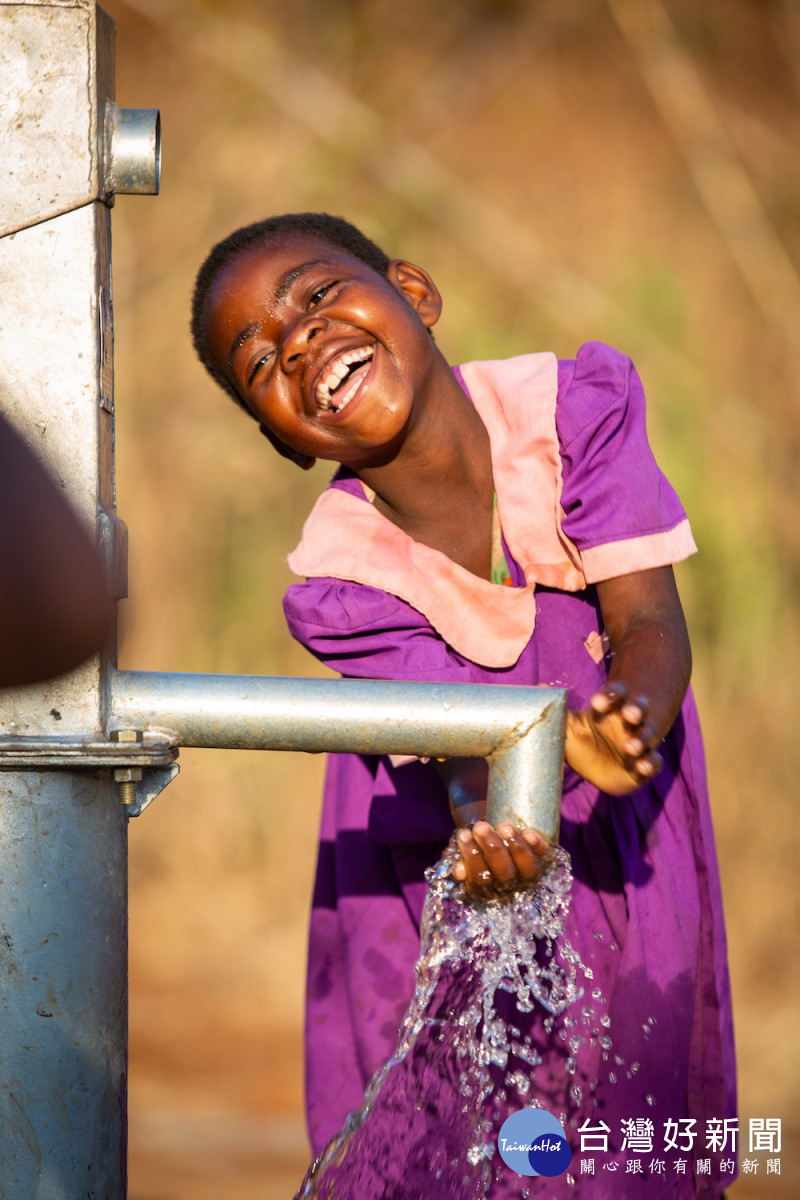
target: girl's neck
439 487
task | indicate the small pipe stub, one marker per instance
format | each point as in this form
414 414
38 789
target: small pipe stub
133 151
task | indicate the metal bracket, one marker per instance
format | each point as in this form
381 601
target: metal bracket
155 750
143 763
153 781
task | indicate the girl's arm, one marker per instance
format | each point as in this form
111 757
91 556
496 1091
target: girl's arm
613 743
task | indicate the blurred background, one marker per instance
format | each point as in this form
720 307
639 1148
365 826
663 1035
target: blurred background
625 170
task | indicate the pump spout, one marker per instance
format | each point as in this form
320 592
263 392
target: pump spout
520 730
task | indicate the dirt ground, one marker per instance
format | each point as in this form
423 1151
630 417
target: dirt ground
214 1116
232 1128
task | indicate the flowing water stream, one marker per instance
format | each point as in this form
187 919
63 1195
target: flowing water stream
430 1117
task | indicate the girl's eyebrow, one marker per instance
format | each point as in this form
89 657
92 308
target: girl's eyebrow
280 292
240 340
293 275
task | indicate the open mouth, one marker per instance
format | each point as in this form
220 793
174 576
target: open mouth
341 379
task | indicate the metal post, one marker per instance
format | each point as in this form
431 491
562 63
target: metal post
63 849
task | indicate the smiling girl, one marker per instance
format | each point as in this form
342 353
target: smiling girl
499 522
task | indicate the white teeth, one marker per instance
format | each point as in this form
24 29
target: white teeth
336 372
348 397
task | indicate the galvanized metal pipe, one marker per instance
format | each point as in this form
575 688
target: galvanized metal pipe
63 835
133 151
520 730
63 986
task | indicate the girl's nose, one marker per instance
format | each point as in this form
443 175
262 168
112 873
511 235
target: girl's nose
297 337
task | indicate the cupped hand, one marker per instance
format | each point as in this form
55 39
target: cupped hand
612 743
496 863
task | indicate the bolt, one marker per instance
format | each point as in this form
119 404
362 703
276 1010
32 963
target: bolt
127 777
126 735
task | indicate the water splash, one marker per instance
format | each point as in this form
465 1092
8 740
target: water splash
429 1119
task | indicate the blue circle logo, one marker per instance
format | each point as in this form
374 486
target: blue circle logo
533 1142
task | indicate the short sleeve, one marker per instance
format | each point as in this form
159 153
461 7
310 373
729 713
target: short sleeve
366 633
619 509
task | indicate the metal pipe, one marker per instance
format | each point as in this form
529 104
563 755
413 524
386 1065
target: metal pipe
63 986
133 150
63 834
520 730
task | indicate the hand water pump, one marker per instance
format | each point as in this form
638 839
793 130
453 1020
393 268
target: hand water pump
82 754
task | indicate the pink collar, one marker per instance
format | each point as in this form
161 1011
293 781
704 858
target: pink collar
346 538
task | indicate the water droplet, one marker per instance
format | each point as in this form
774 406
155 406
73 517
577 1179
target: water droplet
605 1020
599 937
612 1078
650 1099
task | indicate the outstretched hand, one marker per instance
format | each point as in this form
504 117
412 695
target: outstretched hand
612 742
495 863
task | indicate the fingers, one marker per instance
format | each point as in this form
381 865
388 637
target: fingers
620 724
498 861
641 738
649 764
638 737
611 698
527 849
614 698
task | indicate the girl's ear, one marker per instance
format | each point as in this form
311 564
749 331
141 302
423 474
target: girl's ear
305 461
418 288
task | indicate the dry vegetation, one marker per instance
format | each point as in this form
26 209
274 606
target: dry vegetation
568 169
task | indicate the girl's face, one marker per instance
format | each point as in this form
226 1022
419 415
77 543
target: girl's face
324 351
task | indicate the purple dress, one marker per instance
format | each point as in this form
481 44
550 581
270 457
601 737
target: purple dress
646 912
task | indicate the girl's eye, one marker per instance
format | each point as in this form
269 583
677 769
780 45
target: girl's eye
256 367
319 295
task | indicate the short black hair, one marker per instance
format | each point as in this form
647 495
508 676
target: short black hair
334 230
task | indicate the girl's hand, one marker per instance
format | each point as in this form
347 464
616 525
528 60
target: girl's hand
612 743
497 862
